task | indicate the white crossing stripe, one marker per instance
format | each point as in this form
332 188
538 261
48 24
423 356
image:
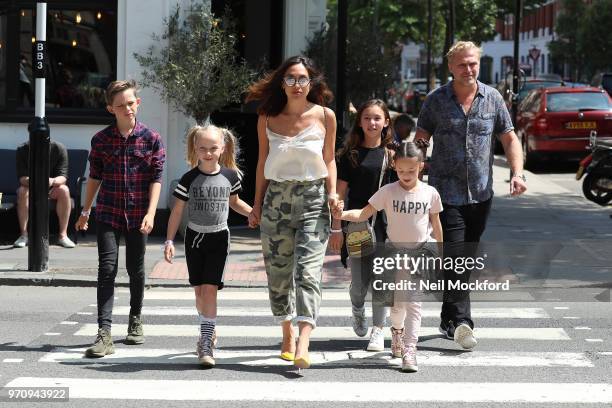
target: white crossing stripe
327 295
351 358
519 333
482 313
13 360
190 390
232 295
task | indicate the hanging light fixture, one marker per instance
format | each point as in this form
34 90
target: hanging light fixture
33 39
78 18
74 43
99 15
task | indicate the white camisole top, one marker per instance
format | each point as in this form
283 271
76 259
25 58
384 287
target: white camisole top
296 158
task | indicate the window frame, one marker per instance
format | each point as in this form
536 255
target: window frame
11 112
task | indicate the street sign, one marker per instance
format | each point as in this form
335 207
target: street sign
534 53
40 59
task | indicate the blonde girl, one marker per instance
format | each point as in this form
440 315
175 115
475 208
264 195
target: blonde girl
210 189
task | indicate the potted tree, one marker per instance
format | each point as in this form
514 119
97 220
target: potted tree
195 66
198 69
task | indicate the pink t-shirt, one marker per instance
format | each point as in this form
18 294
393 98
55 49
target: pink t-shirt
407 211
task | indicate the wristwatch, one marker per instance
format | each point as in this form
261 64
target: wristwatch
521 176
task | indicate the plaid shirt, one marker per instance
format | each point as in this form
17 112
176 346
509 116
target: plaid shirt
461 166
126 167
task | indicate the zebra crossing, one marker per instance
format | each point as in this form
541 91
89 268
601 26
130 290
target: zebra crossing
523 357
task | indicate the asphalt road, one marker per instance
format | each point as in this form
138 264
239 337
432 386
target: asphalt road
539 353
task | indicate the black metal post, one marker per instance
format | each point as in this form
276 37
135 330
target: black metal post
515 68
429 36
341 102
38 223
451 20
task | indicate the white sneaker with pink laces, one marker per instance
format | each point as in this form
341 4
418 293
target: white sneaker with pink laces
409 361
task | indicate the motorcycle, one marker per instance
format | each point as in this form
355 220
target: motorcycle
597 184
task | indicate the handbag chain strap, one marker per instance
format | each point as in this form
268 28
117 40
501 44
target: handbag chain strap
383 169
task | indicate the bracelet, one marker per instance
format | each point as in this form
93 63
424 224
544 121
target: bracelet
335 230
169 242
85 213
331 196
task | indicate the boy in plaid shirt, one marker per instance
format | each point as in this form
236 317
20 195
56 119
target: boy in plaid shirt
125 169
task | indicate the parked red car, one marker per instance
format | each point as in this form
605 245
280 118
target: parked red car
558 121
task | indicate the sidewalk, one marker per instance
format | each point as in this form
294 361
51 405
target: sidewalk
547 213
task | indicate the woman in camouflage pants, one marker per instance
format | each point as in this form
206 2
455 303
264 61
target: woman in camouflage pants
295 186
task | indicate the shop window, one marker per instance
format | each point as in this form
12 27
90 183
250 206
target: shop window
82 59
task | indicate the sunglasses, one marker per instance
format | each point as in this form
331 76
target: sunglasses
301 81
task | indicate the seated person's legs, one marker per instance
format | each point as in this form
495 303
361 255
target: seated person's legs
63 206
22 216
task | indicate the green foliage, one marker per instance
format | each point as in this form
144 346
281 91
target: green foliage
583 37
377 28
197 70
596 37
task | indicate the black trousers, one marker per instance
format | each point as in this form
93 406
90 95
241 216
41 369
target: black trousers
108 262
462 226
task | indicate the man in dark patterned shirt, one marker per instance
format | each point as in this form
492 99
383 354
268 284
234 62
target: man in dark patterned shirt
463 117
125 169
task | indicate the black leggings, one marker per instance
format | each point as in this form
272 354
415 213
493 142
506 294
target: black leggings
108 262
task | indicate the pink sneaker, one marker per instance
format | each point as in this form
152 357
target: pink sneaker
409 361
397 342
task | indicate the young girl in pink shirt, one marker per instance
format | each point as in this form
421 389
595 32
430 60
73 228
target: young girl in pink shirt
412 208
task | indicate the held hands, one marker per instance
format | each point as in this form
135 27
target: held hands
337 210
255 216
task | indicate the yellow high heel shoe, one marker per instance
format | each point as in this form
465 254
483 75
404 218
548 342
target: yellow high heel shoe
287 355
302 362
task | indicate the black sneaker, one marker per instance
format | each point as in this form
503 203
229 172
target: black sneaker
447 329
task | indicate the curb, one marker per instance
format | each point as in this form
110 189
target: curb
49 279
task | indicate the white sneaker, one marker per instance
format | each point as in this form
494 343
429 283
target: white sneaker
464 336
377 340
66 242
409 361
360 322
21 242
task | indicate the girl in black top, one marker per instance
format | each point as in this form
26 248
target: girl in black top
360 163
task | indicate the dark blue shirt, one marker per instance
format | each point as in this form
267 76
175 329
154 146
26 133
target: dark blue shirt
462 159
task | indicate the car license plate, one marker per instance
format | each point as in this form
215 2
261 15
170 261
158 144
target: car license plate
581 125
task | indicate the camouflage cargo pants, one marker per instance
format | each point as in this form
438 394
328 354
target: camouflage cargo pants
295 225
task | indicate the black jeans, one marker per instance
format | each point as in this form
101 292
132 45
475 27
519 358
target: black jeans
108 262
462 226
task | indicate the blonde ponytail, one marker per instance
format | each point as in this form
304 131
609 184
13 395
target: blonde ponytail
231 151
192 156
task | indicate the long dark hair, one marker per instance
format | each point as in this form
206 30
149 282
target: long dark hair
269 92
356 136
